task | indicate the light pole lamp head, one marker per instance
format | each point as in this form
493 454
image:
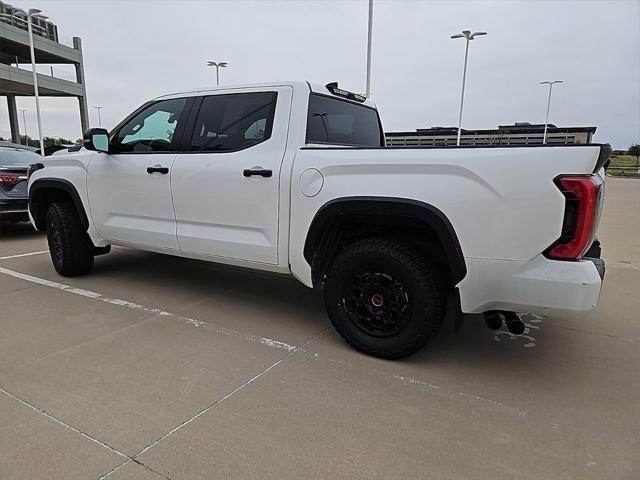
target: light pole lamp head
476 34
468 35
546 82
217 64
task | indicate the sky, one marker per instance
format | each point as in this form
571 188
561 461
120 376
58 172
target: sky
137 50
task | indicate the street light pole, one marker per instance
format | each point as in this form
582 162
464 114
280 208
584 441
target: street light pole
218 66
24 124
468 36
29 16
99 119
369 38
546 119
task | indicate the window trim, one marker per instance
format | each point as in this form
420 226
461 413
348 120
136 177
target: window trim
189 130
177 134
339 99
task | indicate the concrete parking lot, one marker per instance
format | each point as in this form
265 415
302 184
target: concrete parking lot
156 367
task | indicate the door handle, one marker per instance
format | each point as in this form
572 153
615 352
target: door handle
158 169
257 171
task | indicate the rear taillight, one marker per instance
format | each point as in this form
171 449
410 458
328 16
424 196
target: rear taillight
9 179
583 195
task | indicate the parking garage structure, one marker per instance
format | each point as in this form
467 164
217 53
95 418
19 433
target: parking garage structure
16 81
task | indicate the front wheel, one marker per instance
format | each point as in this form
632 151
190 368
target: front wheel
384 297
70 247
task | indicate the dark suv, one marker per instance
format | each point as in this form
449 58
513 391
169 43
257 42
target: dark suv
14 169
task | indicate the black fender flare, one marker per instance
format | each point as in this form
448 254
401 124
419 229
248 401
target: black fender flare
55 184
422 212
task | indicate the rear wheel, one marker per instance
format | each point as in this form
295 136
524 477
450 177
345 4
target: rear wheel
70 247
384 297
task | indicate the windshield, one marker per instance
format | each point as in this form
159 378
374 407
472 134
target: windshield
16 157
335 121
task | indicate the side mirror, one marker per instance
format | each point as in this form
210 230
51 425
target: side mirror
97 139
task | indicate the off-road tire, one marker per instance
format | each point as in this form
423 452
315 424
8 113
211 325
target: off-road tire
70 247
413 275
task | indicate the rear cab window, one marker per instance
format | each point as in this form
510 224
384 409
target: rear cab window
336 121
233 122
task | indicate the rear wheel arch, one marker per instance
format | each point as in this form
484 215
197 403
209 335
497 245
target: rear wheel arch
347 219
43 192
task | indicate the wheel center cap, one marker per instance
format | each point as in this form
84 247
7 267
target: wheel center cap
377 300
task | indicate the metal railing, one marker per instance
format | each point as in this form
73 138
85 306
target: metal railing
61 71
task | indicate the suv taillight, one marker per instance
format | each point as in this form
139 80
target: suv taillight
582 208
8 179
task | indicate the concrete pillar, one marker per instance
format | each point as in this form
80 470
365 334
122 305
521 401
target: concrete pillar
84 114
13 118
82 100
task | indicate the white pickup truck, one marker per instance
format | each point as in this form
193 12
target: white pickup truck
295 178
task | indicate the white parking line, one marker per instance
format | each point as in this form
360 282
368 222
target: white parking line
268 342
24 255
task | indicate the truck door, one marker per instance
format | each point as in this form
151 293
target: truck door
225 182
129 189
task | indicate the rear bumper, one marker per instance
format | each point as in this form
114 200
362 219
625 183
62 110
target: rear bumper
542 286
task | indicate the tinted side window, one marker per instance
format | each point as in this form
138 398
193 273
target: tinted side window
233 121
330 120
152 129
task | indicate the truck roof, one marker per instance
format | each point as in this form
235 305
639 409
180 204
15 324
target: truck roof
296 84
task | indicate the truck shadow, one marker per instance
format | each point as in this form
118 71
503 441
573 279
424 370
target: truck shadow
475 343
18 231
280 298
194 281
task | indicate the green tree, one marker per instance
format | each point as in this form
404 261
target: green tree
635 151
56 141
35 142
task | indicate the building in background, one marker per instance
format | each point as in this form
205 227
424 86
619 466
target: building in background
16 78
41 27
523 133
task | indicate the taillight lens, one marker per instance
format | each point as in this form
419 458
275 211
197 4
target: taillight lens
8 179
583 194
